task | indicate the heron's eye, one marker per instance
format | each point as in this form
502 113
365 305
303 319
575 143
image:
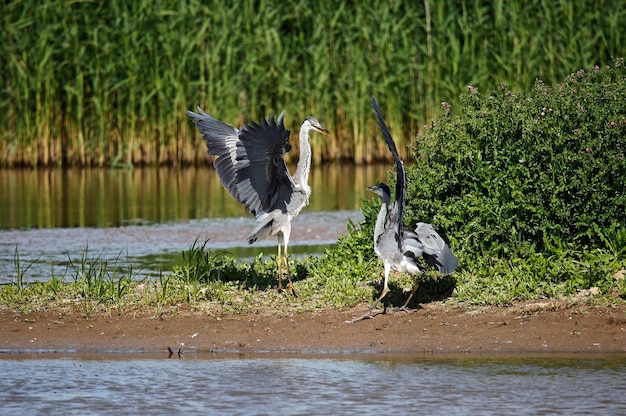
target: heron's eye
287 147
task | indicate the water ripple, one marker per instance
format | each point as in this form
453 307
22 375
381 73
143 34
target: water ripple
301 386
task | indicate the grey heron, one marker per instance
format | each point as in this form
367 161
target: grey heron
251 167
398 246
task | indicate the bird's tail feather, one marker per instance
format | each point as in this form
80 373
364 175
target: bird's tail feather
263 228
261 231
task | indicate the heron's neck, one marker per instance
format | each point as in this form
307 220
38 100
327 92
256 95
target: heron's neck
380 220
301 176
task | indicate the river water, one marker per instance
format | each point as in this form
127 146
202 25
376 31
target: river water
318 385
53 221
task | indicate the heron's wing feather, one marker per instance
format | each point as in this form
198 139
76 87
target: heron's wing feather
430 238
395 223
435 250
397 211
411 242
222 141
263 177
249 161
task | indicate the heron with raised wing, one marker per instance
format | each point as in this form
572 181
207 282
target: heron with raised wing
398 246
251 167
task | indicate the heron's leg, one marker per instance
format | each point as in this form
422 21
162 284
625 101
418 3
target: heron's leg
287 265
280 263
368 314
284 240
416 285
290 286
377 301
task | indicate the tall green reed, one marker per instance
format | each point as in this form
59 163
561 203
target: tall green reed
90 83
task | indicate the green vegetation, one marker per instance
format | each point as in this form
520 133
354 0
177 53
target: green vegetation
528 189
211 281
107 83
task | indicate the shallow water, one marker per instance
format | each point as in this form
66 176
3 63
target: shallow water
154 248
313 385
54 221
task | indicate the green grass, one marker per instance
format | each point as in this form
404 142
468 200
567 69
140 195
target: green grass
215 283
210 281
494 281
107 83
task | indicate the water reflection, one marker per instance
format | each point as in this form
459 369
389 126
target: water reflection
113 198
145 218
241 385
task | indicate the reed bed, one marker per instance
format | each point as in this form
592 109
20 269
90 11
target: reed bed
87 83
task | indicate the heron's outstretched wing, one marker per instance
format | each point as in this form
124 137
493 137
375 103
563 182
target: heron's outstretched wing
397 210
250 161
426 241
222 141
263 176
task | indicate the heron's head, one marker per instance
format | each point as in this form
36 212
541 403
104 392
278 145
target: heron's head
313 124
381 189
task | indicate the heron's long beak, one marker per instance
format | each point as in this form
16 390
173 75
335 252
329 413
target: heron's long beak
323 130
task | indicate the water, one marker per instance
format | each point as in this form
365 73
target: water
150 249
54 220
364 385
103 198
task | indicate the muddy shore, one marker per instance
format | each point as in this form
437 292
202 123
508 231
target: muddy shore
531 327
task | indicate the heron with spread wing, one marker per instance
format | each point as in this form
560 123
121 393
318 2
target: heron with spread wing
398 246
251 167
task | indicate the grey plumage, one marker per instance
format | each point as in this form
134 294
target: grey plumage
250 164
399 247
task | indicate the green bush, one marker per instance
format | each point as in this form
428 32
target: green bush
511 171
528 189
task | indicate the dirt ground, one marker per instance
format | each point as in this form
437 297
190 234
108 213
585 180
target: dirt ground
528 327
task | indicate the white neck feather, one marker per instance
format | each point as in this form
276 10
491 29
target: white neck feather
301 176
